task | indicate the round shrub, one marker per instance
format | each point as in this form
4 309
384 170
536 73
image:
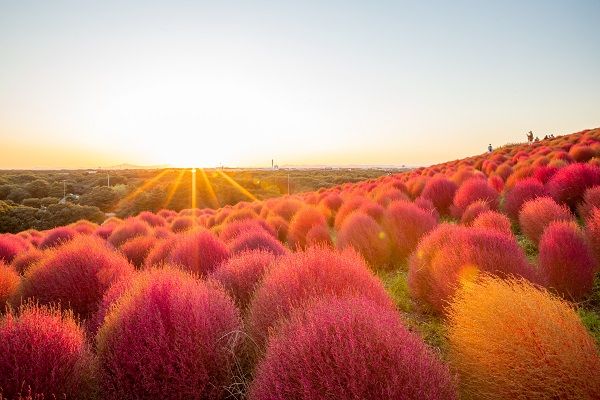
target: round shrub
405 224
349 349
57 236
75 275
592 231
570 183
10 246
256 240
297 278
523 191
364 234
230 231
136 250
43 353
591 200
538 213
306 218
151 219
474 210
510 340
319 236
182 224
493 220
9 284
440 191
129 229
566 262
475 189
25 259
198 251
159 254
84 227
169 336
581 153
452 255
241 273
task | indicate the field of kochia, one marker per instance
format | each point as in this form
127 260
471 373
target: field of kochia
473 279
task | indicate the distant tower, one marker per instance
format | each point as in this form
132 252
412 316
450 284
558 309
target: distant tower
272 164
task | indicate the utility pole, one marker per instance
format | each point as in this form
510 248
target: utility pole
108 179
64 190
288 183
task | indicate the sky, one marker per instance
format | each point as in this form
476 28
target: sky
85 84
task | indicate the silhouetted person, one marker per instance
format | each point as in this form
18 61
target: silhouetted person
537 139
490 148
530 137
546 137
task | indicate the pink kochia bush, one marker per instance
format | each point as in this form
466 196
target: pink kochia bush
406 223
570 183
538 213
199 251
10 246
26 258
75 275
168 336
441 192
136 250
592 231
452 255
57 236
591 200
43 353
302 222
475 189
364 234
298 278
566 262
128 229
493 220
349 348
523 191
256 240
241 273
474 210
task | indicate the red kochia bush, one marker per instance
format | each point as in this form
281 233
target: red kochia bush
591 200
198 251
406 223
182 224
538 213
364 234
452 255
297 278
475 189
510 340
43 352
57 236
9 284
523 191
240 274
474 210
10 246
230 231
75 274
305 219
319 236
592 231
256 240
169 336
136 250
25 259
441 192
349 349
566 262
493 220
570 183
129 229
151 218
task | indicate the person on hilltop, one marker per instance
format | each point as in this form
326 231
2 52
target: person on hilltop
530 137
490 149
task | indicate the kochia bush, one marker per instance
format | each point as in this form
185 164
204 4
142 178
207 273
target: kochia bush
523 191
9 284
169 336
493 220
592 231
10 246
305 219
256 240
510 340
566 262
349 349
451 256
198 251
364 234
301 277
538 213
57 236
475 189
44 353
570 183
75 275
441 192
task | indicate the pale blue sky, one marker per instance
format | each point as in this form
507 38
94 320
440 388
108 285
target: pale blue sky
84 84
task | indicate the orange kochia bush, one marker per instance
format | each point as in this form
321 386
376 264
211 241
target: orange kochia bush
511 340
